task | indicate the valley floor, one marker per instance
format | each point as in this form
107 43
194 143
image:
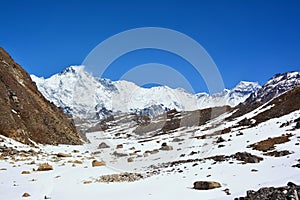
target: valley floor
74 177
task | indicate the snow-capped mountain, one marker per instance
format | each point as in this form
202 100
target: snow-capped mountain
278 84
85 96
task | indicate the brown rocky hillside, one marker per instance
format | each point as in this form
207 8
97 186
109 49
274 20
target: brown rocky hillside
25 114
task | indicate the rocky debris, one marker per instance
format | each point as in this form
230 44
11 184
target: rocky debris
245 122
165 147
26 195
269 144
206 185
278 153
96 163
130 160
297 165
122 177
25 172
154 151
78 162
247 157
289 192
118 154
177 140
227 192
63 155
220 139
119 146
103 145
44 167
219 158
87 182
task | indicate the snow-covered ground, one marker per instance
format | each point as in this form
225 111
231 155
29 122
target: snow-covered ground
68 179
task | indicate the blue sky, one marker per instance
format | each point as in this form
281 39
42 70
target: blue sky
248 40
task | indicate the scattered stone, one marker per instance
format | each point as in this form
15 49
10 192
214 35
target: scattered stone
177 140
103 145
119 146
117 154
96 163
63 155
165 147
130 160
291 191
77 162
296 165
26 195
25 172
75 151
278 153
123 177
254 170
3 169
220 139
193 153
247 157
87 182
44 167
206 185
239 134
227 191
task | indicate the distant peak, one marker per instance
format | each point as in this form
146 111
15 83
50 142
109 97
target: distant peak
73 70
246 85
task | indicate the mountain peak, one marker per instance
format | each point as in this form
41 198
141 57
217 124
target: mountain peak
73 70
246 86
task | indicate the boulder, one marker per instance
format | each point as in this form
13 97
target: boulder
96 163
165 147
247 157
26 195
44 167
64 155
103 145
206 185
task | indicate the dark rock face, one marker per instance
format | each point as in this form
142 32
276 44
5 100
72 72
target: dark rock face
289 192
276 86
25 114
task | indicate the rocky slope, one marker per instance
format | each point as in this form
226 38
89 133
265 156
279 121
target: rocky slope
275 86
25 114
87 97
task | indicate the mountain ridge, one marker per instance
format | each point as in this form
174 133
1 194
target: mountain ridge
124 96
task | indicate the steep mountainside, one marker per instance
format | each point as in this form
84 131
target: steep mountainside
25 114
277 85
85 96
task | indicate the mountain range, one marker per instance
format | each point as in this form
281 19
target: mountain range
84 96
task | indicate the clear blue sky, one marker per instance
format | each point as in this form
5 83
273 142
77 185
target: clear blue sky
248 39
